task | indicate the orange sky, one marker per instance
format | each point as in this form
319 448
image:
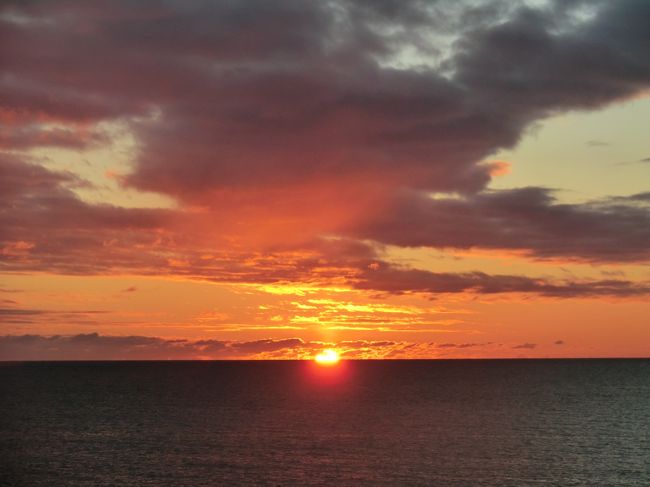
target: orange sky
229 181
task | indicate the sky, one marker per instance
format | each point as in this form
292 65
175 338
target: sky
264 179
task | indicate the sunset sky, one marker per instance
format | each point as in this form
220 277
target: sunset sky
187 179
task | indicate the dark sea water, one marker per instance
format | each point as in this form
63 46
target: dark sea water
447 423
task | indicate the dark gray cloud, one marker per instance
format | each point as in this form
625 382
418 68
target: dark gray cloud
396 280
525 346
256 92
535 63
527 219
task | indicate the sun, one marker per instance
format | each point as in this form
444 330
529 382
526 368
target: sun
327 357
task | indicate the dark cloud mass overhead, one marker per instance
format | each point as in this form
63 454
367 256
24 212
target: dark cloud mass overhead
249 93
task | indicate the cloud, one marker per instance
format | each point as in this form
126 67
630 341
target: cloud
258 346
597 143
19 312
29 136
539 62
283 93
93 346
462 345
253 92
526 346
50 229
9 290
396 280
148 242
45 226
16 315
558 342
527 219
327 108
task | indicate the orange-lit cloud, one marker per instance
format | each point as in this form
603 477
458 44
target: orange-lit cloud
50 229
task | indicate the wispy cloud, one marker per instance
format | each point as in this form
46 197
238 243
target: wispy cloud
92 346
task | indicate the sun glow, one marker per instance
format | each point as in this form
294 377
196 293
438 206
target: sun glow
327 357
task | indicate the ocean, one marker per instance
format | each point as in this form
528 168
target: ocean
393 423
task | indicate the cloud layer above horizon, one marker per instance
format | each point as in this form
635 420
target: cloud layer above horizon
92 346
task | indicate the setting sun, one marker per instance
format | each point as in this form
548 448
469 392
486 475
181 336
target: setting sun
327 357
